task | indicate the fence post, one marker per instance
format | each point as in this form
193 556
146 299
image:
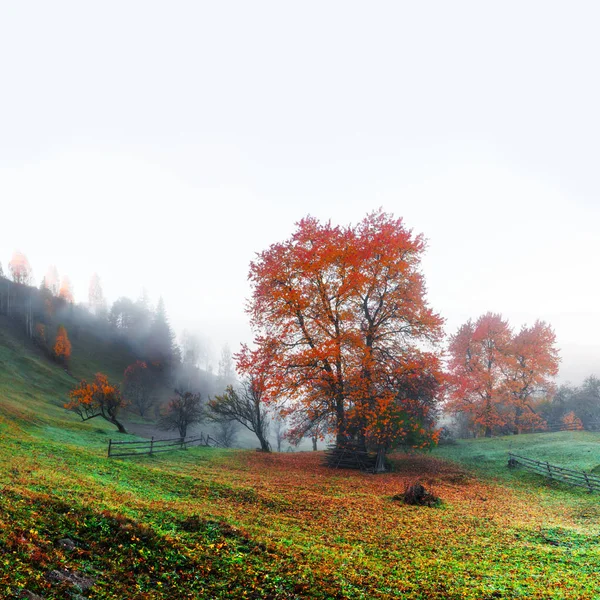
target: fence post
109 445
549 470
151 445
591 489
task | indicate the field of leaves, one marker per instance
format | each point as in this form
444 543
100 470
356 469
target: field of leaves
205 523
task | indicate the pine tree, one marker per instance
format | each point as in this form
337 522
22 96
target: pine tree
160 341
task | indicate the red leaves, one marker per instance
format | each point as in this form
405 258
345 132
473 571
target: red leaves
341 322
498 377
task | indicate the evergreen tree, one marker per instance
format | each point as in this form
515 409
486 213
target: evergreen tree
160 343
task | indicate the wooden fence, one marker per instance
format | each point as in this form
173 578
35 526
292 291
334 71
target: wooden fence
569 476
552 427
153 446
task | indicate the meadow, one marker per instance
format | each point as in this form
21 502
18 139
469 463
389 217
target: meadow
210 523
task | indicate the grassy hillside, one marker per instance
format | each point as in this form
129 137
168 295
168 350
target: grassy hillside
572 449
206 523
33 388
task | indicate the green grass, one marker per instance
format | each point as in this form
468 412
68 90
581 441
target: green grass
572 449
207 523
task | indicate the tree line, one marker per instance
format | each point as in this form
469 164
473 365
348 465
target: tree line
346 345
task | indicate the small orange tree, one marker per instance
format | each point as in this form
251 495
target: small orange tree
62 345
572 421
97 399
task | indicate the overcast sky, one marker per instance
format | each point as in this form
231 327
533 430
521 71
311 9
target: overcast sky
163 144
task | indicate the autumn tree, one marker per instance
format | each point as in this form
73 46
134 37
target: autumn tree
20 269
478 362
244 404
62 345
138 383
182 411
532 366
497 377
341 319
66 290
97 399
572 422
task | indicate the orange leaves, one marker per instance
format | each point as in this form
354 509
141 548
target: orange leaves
62 345
341 321
572 421
99 398
498 377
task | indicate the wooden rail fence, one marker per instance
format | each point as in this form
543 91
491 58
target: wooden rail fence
553 427
569 476
153 446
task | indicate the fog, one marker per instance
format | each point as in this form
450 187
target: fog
162 146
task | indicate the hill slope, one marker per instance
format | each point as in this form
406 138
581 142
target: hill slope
206 523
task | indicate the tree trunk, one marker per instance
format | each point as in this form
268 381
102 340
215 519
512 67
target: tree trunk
264 444
340 415
518 412
118 425
488 432
380 461
314 443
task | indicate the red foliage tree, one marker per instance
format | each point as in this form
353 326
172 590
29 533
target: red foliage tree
497 377
97 399
62 345
342 323
533 364
478 361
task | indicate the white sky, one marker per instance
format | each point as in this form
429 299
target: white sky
162 144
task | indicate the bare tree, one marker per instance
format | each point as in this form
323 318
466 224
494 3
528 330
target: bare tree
226 432
183 410
244 406
309 425
138 384
279 430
